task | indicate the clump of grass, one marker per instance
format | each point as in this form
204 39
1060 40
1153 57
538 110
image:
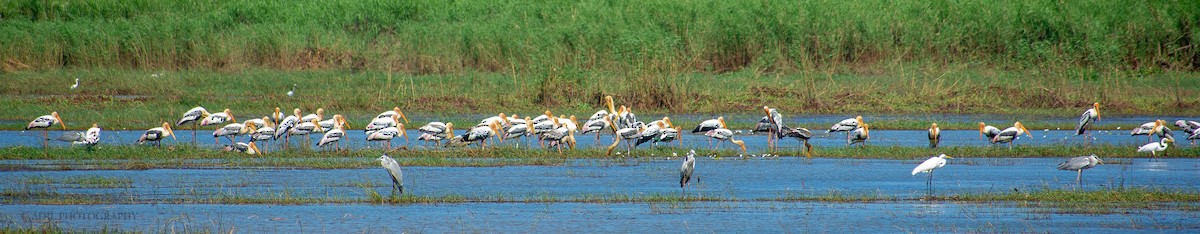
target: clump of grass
86 181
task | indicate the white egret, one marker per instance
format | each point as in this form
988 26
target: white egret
1154 147
76 85
928 166
293 91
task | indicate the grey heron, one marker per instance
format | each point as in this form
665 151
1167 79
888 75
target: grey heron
1078 164
393 169
685 171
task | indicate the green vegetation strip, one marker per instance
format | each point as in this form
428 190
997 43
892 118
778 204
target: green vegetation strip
141 157
1139 198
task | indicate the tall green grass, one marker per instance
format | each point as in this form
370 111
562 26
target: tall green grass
712 36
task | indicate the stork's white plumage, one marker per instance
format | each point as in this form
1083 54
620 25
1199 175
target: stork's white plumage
320 115
1089 116
218 118
395 112
860 135
193 116
157 134
385 134
935 135
1008 135
709 125
988 131
46 121
846 125
233 130
328 124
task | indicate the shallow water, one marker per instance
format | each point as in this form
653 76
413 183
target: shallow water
743 217
745 180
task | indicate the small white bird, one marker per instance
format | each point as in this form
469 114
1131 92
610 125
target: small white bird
928 166
393 169
293 91
1154 147
76 85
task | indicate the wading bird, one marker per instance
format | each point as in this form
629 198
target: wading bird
1189 127
335 134
248 148
935 135
76 85
432 132
1154 147
627 134
685 171
988 131
44 122
802 135
859 136
1151 129
928 166
776 127
385 134
319 115
846 125
218 118
156 135
1085 121
264 134
1079 164
87 138
232 131
194 116
305 128
709 125
597 125
1008 135
286 126
388 121
722 135
395 112
328 124
293 91
393 169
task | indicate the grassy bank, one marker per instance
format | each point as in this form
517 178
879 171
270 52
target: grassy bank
121 99
141 158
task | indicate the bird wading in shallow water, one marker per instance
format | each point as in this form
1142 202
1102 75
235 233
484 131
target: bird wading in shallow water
928 166
1079 164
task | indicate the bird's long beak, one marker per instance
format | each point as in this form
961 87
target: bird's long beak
741 144
1101 161
169 131
981 130
1022 126
402 116
345 122
449 131
255 147
859 120
767 111
948 156
609 101
60 122
668 120
318 124
722 121
1097 107
230 114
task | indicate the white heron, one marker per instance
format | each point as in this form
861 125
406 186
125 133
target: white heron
1079 164
935 135
1154 147
928 166
76 85
293 91
393 169
156 135
44 122
686 170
